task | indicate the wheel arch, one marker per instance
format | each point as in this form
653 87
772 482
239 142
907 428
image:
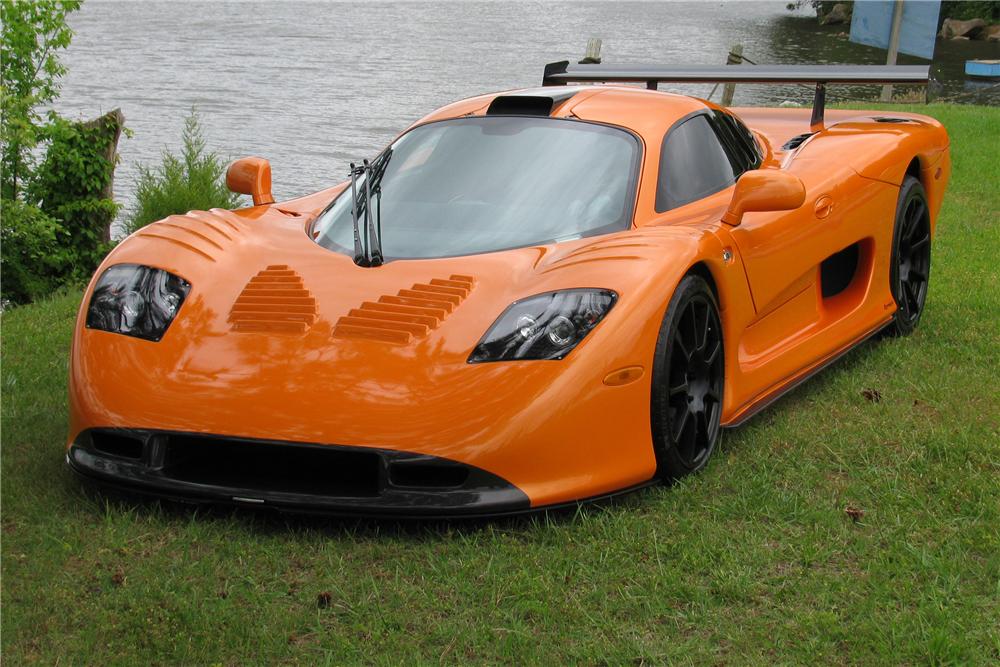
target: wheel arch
702 270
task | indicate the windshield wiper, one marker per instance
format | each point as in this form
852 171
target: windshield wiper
360 254
374 236
368 252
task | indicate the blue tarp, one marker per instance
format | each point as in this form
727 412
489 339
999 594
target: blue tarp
871 24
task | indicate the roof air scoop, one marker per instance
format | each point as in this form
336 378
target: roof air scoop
514 105
536 102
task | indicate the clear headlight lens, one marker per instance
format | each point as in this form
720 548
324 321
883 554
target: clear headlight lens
136 300
544 326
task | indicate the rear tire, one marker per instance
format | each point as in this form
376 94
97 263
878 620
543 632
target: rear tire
910 263
687 382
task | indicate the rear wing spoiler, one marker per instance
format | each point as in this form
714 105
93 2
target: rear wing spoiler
562 73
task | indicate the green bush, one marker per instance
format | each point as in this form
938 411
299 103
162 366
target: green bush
59 230
32 33
57 214
964 10
32 257
195 180
72 185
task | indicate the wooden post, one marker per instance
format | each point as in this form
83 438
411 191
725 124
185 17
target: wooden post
735 58
897 19
593 54
117 123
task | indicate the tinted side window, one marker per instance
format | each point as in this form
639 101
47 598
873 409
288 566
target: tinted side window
738 142
693 164
749 140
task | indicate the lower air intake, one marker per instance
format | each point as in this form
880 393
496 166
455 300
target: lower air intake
271 467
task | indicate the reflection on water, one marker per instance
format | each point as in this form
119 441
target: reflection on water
312 86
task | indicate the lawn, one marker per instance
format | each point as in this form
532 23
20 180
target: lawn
754 561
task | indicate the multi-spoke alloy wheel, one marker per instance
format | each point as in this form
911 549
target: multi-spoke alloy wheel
688 375
911 257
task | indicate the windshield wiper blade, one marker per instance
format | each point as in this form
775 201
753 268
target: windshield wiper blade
374 241
360 254
368 245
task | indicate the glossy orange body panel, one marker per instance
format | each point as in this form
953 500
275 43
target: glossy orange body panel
766 190
557 430
251 176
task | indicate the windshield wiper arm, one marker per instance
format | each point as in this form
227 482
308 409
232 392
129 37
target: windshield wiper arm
368 252
373 237
360 254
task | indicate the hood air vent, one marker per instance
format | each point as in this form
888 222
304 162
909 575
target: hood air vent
408 315
276 301
890 119
796 141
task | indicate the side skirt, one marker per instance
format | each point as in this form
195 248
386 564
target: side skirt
774 394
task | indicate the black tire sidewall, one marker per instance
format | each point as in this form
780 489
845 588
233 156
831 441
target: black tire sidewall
670 466
901 326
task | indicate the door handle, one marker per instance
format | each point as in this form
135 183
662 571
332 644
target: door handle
824 206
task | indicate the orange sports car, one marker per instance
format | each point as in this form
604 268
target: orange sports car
528 299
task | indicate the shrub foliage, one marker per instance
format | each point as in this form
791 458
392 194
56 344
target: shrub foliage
33 33
73 185
58 231
52 213
32 253
193 180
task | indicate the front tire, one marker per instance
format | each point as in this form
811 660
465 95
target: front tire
910 263
687 382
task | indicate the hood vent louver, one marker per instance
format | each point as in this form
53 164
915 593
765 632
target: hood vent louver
796 141
274 301
407 316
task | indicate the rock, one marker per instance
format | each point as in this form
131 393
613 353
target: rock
992 33
787 104
952 28
840 13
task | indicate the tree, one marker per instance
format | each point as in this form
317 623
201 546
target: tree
32 35
988 11
194 180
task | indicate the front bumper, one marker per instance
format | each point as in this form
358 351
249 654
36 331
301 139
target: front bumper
328 479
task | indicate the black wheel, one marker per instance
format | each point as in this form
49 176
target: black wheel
688 376
910 266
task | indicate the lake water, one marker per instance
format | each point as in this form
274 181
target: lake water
313 86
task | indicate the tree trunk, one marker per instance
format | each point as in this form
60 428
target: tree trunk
118 122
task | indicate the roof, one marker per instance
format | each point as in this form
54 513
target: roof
646 112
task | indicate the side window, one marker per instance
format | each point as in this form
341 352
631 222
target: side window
693 164
738 142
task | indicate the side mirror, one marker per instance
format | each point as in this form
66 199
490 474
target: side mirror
251 176
764 190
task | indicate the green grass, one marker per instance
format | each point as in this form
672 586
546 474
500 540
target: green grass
752 562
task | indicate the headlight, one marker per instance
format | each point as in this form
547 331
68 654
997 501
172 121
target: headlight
136 300
544 326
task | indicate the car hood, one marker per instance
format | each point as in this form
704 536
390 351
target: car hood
259 282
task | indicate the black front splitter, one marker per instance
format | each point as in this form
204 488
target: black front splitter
481 496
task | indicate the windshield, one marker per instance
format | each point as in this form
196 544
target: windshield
473 185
